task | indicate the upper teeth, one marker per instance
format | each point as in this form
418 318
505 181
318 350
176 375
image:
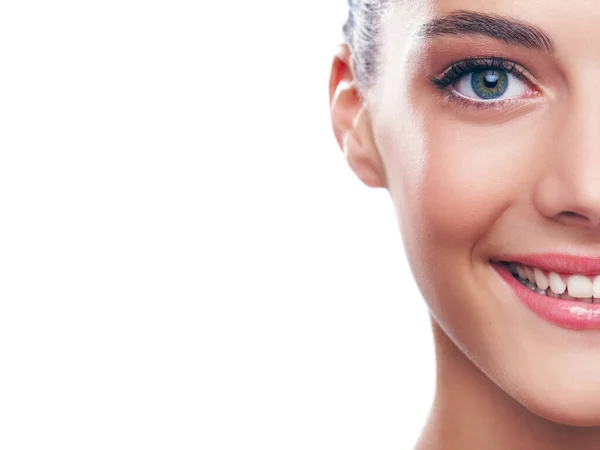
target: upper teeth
541 279
577 286
557 285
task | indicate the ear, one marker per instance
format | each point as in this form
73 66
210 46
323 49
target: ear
351 122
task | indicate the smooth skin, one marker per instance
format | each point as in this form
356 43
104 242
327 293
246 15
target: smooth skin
471 183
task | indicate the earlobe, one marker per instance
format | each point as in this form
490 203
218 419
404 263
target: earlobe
351 123
359 159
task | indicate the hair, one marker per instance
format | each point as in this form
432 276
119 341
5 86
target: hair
362 35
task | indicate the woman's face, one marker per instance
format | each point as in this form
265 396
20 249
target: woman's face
497 158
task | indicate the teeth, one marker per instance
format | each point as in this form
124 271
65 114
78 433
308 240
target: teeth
596 287
541 280
530 274
577 287
580 286
557 285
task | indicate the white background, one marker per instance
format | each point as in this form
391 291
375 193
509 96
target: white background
186 261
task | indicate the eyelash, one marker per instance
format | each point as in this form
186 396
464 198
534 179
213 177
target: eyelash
459 69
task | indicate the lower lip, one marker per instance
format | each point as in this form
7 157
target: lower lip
574 315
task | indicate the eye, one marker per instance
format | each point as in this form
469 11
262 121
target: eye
490 84
486 82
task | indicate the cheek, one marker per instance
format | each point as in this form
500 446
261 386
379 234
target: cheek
463 185
451 181
450 184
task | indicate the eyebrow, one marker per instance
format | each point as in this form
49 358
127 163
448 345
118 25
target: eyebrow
506 29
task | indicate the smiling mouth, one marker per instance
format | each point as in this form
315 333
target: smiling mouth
574 287
558 288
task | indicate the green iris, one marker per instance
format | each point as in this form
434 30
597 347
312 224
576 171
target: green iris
489 84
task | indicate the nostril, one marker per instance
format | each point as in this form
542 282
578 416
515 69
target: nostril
570 214
575 217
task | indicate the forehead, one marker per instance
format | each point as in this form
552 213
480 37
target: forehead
570 22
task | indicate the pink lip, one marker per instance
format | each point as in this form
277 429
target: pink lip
557 262
574 315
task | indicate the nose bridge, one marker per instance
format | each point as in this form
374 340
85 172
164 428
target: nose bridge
570 189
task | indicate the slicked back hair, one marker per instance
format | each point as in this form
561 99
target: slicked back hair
362 35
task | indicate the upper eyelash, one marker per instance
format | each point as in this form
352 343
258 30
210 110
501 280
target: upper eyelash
460 68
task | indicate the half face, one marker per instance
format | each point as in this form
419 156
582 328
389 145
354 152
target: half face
488 125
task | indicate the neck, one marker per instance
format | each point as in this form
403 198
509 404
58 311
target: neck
471 411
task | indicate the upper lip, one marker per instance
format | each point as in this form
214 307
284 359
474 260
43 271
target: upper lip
556 262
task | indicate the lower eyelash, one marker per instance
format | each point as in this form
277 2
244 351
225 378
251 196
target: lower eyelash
451 96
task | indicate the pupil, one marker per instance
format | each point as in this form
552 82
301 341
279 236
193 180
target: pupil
491 79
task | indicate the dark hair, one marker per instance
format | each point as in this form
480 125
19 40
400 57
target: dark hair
362 34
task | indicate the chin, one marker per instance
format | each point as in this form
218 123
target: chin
563 399
570 410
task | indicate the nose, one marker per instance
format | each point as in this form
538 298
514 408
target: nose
569 190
